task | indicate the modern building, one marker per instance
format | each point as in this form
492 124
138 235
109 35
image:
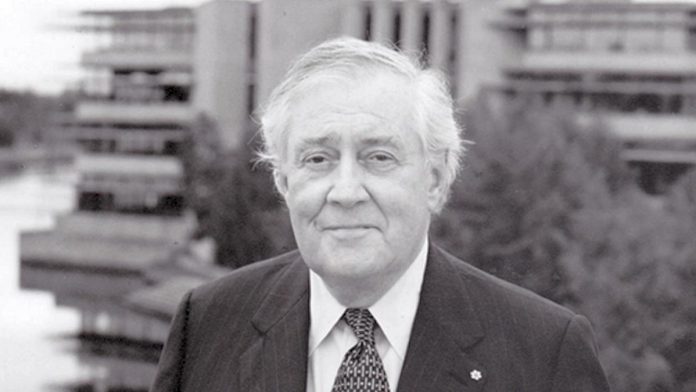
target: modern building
631 65
129 124
152 73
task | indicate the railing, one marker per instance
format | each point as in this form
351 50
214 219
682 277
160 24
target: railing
139 57
147 112
126 226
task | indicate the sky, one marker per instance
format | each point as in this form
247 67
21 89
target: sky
36 54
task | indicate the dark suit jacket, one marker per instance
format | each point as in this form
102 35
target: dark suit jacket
249 331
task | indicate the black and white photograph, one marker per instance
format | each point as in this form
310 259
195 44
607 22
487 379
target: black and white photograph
348 195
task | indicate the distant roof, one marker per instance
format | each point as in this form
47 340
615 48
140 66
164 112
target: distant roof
616 5
161 300
129 164
659 156
132 12
108 255
642 126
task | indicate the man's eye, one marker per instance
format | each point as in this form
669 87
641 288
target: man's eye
380 157
380 160
316 160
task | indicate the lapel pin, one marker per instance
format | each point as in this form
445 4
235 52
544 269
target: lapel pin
476 375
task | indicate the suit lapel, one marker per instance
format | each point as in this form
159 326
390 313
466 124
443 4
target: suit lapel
445 326
277 361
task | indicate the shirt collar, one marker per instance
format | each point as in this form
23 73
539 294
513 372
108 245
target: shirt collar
324 310
394 311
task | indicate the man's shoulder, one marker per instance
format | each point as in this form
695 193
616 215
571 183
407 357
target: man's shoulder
493 293
546 343
253 278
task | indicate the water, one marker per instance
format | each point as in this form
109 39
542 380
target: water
34 353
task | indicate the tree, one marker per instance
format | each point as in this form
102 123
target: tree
234 201
25 116
547 203
525 176
680 348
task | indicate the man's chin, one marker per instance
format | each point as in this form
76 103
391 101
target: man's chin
350 236
349 264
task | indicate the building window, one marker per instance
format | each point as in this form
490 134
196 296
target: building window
95 201
642 39
170 205
396 31
175 93
367 36
674 39
539 38
567 33
171 147
567 38
425 30
251 97
252 32
453 49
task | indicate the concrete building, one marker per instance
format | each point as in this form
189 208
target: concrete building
129 123
627 64
632 65
152 73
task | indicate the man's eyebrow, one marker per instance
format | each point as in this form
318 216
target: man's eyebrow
392 140
316 141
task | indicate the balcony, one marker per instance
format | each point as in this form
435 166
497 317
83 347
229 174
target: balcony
655 128
91 254
132 141
133 165
108 111
161 300
138 59
659 156
125 227
657 63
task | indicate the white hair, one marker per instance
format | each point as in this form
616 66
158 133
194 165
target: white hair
351 58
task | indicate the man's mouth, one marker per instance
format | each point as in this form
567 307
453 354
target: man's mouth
349 227
351 231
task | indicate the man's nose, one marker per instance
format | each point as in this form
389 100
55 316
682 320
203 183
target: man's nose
348 188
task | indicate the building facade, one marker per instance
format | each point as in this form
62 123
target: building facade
153 73
128 126
630 65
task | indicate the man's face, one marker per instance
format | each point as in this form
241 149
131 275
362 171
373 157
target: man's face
356 180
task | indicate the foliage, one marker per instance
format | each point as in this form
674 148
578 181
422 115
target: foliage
525 176
24 116
548 204
544 202
235 203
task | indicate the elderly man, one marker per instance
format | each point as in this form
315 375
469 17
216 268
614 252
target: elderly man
364 148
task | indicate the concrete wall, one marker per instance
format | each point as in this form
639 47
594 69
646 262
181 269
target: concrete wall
222 66
625 62
483 50
155 229
134 113
288 29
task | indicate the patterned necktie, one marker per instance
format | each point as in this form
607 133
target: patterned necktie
361 369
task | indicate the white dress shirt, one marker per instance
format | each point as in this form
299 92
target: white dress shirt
330 337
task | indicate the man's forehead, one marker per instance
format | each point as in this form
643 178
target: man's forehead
338 85
376 109
371 102
366 138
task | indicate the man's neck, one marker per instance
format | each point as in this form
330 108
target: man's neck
364 293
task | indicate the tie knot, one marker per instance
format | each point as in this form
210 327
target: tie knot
362 323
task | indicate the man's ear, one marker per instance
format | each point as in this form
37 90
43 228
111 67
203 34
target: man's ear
281 181
436 186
